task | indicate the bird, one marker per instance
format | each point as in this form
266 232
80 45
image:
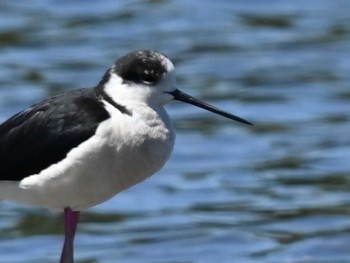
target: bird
80 148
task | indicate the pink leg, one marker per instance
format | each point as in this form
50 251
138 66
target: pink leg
71 219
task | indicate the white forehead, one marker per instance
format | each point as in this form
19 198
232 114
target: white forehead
169 66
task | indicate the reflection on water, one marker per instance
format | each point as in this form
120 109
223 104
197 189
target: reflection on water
276 192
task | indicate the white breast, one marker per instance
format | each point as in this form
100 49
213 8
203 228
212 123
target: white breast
124 151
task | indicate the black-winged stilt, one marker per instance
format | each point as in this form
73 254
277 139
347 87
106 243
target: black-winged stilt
80 148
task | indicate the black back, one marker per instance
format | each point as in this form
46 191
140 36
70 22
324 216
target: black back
43 134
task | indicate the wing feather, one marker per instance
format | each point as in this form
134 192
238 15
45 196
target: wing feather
43 134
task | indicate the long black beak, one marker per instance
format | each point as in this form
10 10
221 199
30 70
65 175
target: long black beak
184 97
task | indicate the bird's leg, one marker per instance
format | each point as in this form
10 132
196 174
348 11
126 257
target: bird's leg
71 219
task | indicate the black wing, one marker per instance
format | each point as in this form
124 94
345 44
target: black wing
43 134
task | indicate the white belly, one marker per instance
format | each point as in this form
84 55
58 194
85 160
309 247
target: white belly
116 158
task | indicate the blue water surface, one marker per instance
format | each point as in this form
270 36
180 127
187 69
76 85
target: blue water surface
275 192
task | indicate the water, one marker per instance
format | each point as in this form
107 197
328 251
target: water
277 192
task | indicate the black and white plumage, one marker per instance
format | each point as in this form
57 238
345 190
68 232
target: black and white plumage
61 123
80 148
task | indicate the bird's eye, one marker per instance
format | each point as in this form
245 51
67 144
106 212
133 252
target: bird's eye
148 76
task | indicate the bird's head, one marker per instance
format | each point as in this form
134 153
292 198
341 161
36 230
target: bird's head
148 76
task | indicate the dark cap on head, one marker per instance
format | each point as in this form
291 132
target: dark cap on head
143 66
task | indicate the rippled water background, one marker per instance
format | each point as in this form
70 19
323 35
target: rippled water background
278 192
